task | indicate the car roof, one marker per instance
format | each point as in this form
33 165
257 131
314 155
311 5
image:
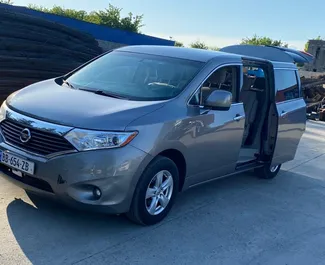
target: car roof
193 54
270 53
279 57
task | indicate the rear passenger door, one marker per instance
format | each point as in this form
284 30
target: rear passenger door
291 109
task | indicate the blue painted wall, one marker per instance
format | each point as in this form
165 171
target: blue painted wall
98 31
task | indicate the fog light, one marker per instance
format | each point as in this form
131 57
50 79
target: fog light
97 193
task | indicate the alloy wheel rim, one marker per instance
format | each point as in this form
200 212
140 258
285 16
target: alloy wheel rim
159 192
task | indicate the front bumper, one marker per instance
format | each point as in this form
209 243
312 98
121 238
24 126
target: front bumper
71 177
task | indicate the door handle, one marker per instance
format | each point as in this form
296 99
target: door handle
238 117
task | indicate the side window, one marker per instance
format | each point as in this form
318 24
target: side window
225 78
254 83
286 85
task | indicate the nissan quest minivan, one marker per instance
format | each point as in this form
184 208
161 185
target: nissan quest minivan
129 130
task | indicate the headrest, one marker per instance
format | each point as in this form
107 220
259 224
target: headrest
248 82
218 77
259 83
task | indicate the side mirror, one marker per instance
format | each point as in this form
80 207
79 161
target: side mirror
219 100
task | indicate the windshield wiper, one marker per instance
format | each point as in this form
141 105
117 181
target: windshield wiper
103 93
67 83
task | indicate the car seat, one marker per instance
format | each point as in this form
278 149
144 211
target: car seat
250 102
254 98
213 83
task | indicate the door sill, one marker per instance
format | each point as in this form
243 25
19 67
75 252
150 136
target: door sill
248 165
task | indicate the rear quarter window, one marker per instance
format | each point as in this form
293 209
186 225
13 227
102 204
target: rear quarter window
286 85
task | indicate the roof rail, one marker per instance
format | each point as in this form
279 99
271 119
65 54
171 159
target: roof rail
271 53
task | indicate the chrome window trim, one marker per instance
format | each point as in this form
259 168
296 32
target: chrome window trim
289 101
232 105
210 73
286 64
285 68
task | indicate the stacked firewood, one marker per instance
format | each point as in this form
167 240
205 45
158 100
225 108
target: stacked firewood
313 89
34 49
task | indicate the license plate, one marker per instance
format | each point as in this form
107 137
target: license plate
16 162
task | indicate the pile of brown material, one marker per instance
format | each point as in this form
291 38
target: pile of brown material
313 89
33 49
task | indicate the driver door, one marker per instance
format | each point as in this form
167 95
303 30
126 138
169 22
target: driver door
219 133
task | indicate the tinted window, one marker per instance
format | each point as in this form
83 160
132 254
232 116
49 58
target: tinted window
136 76
225 78
286 85
254 83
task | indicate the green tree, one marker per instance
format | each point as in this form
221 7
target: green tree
257 40
110 17
179 44
199 45
307 43
77 14
8 2
213 48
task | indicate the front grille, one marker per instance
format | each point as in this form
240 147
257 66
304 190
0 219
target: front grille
41 142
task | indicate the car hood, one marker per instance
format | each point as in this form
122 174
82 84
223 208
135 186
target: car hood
58 104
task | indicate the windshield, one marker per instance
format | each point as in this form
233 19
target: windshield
136 76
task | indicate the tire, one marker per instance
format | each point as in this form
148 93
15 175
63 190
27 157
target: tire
267 172
140 206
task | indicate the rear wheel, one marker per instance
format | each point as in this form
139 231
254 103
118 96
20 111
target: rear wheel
155 192
268 171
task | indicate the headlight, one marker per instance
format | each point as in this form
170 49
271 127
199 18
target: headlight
84 140
3 111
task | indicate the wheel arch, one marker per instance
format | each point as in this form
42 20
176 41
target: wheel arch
178 158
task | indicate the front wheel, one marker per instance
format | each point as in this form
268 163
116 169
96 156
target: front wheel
268 171
155 192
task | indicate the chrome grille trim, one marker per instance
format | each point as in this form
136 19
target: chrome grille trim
37 124
47 138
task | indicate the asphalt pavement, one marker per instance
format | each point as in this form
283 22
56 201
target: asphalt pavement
236 220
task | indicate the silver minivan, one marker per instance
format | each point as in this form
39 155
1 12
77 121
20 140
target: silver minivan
129 130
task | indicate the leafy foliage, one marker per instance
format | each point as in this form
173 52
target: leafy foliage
179 44
8 2
257 40
213 48
202 45
110 17
199 45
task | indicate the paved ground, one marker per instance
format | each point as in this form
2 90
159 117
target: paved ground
238 220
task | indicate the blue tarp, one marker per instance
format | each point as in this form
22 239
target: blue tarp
97 31
256 72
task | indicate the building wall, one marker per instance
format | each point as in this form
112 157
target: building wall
317 49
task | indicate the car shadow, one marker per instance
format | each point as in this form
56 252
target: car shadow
50 233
